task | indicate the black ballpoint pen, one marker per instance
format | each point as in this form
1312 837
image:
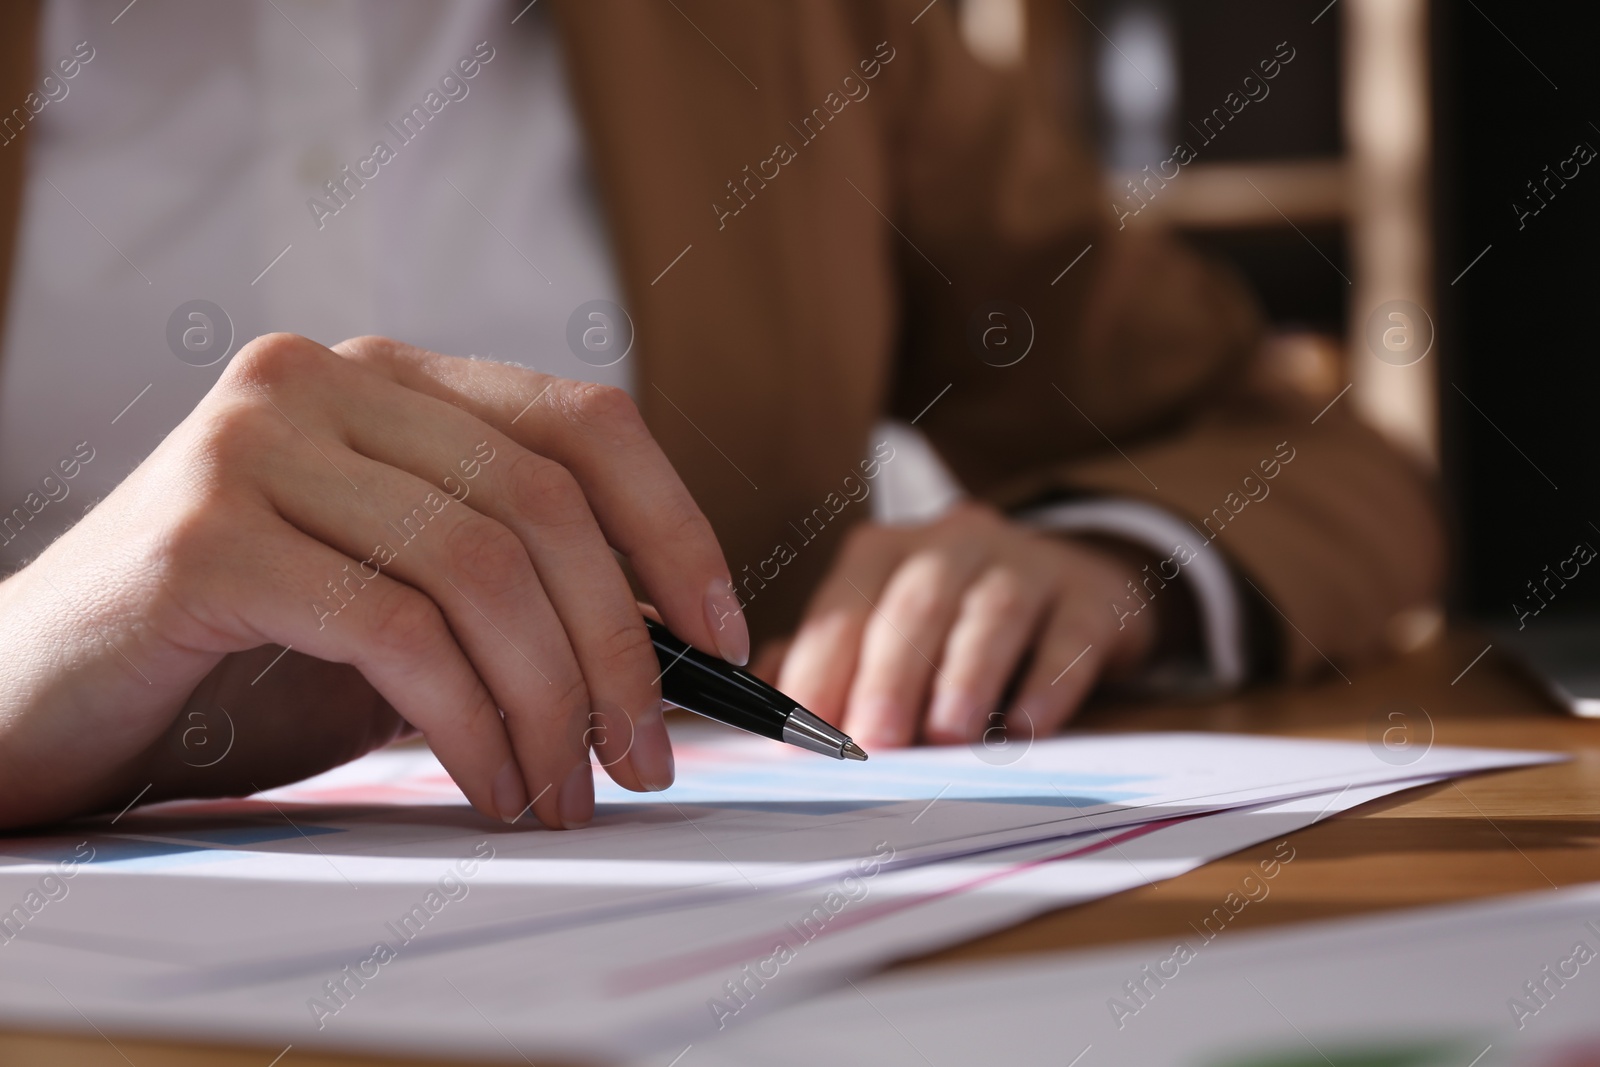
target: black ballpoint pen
706 685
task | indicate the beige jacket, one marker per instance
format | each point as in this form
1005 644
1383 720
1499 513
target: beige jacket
810 203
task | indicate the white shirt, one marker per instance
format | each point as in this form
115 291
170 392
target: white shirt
179 164
190 158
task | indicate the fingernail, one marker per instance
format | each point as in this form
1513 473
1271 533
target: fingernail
652 751
726 618
510 795
575 805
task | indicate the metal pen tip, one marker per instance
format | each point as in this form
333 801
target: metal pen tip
853 751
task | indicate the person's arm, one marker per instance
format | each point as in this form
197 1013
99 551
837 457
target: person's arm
1141 382
432 537
1203 615
1138 383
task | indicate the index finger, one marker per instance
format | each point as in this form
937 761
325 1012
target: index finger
596 432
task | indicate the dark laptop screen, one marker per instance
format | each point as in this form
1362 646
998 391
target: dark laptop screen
1519 376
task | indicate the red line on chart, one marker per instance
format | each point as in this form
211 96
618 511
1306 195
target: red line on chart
676 968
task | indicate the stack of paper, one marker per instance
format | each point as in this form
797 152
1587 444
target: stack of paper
371 908
1514 981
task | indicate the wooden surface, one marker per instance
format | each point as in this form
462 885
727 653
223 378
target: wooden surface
1487 835
1492 834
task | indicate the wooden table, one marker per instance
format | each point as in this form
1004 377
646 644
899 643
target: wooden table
1506 832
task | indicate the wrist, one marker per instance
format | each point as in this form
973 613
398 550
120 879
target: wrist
59 744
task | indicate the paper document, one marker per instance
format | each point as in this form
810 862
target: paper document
779 815
371 908
1510 982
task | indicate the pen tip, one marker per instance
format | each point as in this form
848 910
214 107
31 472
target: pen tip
854 751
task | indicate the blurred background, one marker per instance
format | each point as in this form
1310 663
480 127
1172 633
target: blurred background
1409 196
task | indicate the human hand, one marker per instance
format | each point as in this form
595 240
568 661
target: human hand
433 537
917 631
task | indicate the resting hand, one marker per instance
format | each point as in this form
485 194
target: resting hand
918 631
434 538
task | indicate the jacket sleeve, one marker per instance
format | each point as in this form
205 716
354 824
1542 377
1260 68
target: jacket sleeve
1141 375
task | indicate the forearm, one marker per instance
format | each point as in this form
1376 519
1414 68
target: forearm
1332 530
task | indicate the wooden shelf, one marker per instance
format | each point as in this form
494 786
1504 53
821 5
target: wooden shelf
1242 195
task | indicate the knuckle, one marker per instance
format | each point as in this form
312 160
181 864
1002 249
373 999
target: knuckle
1004 594
487 554
401 622
919 599
602 408
236 434
275 359
546 492
681 522
368 346
375 352
971 518
1069 636
568 701
912 604
863 541
627 643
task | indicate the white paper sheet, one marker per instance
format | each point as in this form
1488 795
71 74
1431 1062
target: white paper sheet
238 920
1511 981
770 815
